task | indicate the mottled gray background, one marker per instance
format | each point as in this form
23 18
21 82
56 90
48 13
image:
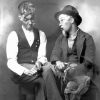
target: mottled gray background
89 10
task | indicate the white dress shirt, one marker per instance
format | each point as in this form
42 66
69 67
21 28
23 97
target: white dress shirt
12 50
71 41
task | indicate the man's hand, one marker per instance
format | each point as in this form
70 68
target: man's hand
30 72
38 65
73 65
60 65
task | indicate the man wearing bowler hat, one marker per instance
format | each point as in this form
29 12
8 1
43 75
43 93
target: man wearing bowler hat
74 48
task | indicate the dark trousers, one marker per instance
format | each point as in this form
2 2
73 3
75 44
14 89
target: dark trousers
51 86
91 93
35 87
44 87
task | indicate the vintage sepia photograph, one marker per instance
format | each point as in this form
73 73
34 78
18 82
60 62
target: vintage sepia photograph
49 50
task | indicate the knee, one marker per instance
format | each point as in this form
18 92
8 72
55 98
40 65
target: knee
47 66
39 80
47 73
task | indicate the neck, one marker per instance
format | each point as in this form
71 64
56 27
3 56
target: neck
26 28
73 30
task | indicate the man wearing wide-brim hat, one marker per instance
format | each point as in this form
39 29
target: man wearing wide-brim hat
74 47
71 11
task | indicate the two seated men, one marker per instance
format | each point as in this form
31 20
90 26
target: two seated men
27 57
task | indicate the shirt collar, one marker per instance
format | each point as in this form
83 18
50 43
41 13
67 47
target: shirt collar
73 36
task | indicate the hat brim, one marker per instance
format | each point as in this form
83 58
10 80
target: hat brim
78 19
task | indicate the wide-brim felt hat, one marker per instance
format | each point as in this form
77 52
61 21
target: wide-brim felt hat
71 11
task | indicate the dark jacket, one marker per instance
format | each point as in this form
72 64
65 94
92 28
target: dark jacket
86 56
85 49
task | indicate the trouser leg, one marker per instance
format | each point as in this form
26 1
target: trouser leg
37 86
51 86
91 93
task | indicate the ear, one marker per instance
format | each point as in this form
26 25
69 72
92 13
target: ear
20 17
72 20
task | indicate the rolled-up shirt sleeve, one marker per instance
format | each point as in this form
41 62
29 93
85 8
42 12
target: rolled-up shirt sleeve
12 51
42 48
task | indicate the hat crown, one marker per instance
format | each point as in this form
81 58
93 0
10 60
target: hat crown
70 9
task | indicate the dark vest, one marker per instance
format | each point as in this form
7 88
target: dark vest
27 54
72 53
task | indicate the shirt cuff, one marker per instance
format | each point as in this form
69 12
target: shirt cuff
43 60
15 67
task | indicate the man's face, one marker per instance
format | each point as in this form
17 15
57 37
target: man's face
27 17
64 22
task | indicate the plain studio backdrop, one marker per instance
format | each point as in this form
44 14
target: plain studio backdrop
89 10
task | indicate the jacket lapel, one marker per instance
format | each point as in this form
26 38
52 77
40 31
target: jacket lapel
64 48
80 42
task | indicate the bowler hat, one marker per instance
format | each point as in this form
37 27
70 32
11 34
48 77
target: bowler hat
71 11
